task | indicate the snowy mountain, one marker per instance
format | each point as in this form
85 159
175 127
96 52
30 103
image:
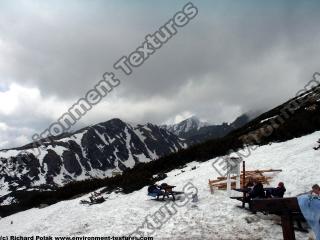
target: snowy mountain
92 152
295 118
213 217
196 131
190 124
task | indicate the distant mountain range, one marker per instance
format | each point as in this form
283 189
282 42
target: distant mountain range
99 151
195 131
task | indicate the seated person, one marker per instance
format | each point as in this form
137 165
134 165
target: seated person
249 183
277 192
315 190
156 191
257 191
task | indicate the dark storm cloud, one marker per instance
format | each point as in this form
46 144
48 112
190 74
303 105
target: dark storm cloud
235 56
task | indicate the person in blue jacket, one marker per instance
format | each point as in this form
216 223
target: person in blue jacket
155 191
309 204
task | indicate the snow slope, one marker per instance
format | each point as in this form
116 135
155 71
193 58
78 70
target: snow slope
213 217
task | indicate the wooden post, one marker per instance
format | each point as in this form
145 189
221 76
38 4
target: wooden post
211 187
244 182
228 184
286 207
287 227
238 177
229 170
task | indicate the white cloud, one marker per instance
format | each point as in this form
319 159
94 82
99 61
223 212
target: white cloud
25 101
25 111
13 136
180 117
8 101
230 59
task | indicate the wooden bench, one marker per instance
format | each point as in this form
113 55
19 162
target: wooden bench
165 194
243 199
287 208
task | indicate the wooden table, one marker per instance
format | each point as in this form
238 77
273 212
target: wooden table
287 208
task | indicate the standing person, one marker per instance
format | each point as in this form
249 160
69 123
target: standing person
309 204
315 190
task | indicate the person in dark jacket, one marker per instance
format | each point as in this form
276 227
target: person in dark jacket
249 183
257 190
277 192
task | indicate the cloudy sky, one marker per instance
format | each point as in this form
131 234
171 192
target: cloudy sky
234 57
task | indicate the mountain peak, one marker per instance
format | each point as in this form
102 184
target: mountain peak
193 119
192 123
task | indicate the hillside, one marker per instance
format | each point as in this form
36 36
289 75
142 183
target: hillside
296 117
213 217
92 152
